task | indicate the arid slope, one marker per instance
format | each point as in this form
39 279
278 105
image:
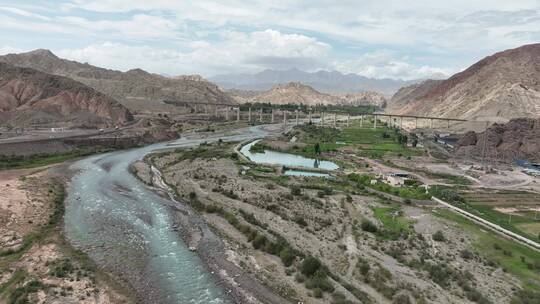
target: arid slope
30 97
497 88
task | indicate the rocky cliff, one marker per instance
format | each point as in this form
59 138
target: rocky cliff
517 139
30 97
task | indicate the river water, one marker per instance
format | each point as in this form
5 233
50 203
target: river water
127 228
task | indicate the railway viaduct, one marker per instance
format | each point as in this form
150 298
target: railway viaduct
282 115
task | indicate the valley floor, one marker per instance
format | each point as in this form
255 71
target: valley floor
316 240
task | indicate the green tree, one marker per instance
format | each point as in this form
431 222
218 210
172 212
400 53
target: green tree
317 148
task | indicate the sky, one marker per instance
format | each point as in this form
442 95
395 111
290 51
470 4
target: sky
379 39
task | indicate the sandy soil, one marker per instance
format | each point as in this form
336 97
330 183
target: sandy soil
26 204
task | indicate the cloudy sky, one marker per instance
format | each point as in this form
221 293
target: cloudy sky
379 38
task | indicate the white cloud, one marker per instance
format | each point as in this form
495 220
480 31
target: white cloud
9 50
413 38
24 13
140 26
237 50
386 64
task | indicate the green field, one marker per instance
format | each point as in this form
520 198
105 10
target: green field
369 142
484 202
393 221
514 258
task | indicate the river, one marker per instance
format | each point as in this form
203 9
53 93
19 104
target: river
128 229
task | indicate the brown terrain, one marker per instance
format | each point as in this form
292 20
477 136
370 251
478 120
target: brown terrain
37 265
411 93
136 89
500 87
295 92
247 204
30 97
517 139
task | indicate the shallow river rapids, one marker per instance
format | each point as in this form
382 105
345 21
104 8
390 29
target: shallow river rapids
128 229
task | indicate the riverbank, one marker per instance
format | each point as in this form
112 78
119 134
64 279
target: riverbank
206 241
37 263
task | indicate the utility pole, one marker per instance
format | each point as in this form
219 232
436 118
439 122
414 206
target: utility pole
484 146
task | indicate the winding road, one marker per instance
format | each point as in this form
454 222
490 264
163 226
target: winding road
129 229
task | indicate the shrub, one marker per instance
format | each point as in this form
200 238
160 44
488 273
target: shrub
466 254
300 278
317 293
320 281
364 267
287 256
295 190
368 226
438 236
259 241
310 266
300 221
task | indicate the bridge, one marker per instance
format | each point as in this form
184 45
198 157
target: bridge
233 112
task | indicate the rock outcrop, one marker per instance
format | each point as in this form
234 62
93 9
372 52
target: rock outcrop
517 139
30 97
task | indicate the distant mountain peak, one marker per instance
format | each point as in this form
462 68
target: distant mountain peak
41 53
322 81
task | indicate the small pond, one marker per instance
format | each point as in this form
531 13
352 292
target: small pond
285 159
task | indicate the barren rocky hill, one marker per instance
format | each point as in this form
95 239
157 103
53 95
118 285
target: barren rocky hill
136 89
323 81
411 93
499 87
517 139
294 92
30 97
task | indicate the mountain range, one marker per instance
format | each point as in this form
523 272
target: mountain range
323 81
298 93
30 97
136 89
497 88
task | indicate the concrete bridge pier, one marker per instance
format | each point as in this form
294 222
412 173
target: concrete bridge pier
216 111
272 116
238 114
335 120
296 117
361 121
401 122
390 122
416 122
374 121
195 108
226 113
348 118
260 115
448 124
249 114
205 109
322 119
284 117
309 116
431 123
